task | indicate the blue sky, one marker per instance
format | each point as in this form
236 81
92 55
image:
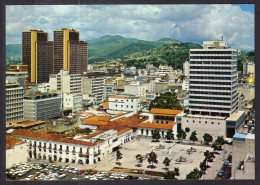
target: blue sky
188 23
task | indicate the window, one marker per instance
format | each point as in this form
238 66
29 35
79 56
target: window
205 122
187 121
132 106
212 123
193 121
121 105
199 121
218 123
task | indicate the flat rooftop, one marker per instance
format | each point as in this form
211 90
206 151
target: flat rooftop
235 116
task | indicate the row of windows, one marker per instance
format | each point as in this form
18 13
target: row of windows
210 72
210 52
126 106
212 62
210 77
209 98
210 67
212 88
212 122
210 93
210 103
210 108
210 57
210 83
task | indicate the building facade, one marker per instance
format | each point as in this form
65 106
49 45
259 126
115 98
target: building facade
14 94
42 106
94 86
213 79
69 52
125 103
37 53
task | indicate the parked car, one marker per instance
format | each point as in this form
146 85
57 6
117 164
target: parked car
221 173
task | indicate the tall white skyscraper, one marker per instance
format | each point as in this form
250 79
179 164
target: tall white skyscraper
213 80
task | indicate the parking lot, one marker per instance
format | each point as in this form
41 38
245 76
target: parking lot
108 168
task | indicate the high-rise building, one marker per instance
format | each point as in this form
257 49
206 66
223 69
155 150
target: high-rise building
69 52
37 53
13 101
213 80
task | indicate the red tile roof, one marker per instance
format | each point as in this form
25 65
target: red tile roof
165 111
105 104
168 126
12 141
48 136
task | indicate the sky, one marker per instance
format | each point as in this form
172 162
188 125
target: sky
187 23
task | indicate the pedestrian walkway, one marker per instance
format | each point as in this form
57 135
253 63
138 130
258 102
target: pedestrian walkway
216 165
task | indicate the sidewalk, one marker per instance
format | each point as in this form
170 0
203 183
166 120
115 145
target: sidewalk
216 165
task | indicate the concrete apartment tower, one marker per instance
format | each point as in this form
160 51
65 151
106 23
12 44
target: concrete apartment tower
37 53
69 52
213 80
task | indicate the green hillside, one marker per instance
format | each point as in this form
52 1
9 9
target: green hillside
13 50
110 47
173 54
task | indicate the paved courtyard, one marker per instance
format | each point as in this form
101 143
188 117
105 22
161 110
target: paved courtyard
144 146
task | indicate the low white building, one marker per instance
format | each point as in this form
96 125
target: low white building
125 103
81 150
243 156
213 125
16 151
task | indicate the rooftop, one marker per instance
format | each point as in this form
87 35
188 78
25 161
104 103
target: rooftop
165 111
12 141
235 116
47 136
168 126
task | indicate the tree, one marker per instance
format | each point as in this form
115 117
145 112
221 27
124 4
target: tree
169 135
166 162
167 100
207 156
169 175
152 158
220 140
193 137
156 135
207 138
216 146
181 135
139 158
203 166
176 171
195 174
118 155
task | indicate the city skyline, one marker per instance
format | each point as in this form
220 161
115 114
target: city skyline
145 22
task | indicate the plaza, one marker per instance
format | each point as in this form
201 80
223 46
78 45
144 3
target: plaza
144 146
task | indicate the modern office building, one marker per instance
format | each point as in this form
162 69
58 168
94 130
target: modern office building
213 96
37 53
69 52
13 101
213 80
42 106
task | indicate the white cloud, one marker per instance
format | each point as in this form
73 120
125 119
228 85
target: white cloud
193 23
